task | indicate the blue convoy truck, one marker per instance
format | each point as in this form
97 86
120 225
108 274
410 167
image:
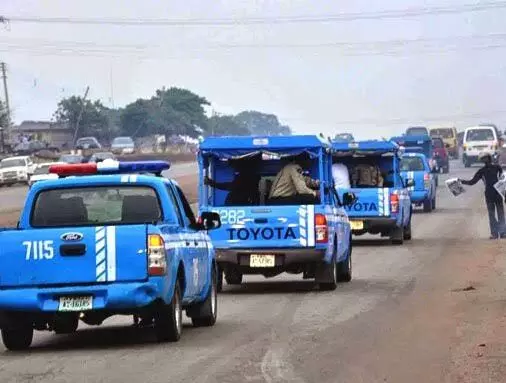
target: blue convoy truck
383 206
102 240
264 238
414 166
420 144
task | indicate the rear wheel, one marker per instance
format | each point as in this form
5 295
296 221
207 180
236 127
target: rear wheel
331 270
446 169
17 339
427 206
397 236
219 279
344 268
407 230
169 318
205 313
433 202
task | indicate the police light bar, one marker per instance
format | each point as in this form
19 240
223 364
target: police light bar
109 167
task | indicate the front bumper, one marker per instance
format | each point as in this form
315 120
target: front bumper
13 180
113 297
283 257
375 225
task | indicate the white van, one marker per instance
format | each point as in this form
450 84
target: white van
477 140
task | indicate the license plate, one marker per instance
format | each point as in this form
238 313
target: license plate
357 225
75 303
262 260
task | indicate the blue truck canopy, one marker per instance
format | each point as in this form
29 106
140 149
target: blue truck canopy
419 144
243 146
373 147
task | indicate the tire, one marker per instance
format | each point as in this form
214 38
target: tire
446 169
169 318
205 314
332 270
219 280
397 236
233 276
344 268
17 339
427 206
407 231
433 203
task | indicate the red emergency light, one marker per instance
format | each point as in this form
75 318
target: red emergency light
73 169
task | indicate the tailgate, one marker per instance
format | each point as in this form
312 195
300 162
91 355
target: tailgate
371 202
81 255
418 177
265 227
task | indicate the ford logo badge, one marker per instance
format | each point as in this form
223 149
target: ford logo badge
71 237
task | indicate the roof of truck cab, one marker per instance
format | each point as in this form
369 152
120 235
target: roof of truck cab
99 180
263 142
369 145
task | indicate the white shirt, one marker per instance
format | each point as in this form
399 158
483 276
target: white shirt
341 176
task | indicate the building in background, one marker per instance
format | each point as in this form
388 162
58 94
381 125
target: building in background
57 135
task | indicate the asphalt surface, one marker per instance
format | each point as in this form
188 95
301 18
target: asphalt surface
276 330
12 198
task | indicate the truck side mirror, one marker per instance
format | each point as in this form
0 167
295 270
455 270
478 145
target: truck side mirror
210 220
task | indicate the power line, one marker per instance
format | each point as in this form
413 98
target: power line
390 14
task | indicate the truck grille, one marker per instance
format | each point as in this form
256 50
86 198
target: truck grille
10 174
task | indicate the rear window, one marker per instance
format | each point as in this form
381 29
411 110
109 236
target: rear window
480 135
106 205
412 164
445 133
417 132
437 143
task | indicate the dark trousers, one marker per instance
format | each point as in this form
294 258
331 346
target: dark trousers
496 221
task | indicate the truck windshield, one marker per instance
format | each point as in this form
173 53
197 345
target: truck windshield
445 133
416 132
412 164
12 163
103 205
480 135
43 169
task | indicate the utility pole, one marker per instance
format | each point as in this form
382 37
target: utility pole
80 116
3 70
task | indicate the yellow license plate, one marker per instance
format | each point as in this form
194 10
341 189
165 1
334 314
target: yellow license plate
262 260
357 225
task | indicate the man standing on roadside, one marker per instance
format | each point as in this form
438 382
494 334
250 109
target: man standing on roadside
490 174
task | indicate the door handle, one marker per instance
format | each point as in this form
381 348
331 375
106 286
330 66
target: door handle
187 243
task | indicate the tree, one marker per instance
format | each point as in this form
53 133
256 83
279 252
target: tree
170 111
94 120
226 125
262 124
4 118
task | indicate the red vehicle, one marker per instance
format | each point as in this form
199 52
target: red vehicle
440 154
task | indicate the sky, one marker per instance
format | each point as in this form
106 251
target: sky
345 75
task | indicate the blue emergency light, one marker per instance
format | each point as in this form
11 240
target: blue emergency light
110 167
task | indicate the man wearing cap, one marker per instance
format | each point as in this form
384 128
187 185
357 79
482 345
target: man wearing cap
490 174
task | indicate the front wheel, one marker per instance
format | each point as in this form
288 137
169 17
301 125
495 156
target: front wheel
407 231
169 318
17 339
427 206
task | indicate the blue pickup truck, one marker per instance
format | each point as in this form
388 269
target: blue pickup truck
382 207
104 240
263 236
414 166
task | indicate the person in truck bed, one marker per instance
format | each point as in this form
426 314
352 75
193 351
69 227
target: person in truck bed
291 186
244 188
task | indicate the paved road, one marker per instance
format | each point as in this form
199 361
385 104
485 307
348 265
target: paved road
12 198
278 330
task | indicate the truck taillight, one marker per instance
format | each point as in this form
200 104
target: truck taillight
157 261
321 228
426 180
394 203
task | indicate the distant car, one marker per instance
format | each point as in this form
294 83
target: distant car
71 158
41 173
15 170
101 156
344 137
417 131
123 145
32 147
441 154
88 143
